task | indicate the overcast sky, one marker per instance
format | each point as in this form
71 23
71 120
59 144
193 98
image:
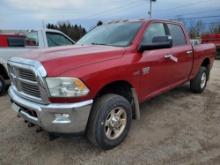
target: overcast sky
28 14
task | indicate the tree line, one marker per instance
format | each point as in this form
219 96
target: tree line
75 32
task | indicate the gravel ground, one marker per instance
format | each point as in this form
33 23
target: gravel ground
178 127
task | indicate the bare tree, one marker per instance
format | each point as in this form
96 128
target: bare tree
200 26
196 28
182 20
214 28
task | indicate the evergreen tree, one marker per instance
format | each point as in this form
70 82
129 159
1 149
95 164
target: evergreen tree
75 32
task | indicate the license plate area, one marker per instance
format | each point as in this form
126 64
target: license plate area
15 107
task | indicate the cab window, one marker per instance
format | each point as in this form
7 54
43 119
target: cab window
56 39
155 29
16 42
32 39
177 35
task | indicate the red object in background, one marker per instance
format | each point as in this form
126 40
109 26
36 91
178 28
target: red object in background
211 38
3 41
12 40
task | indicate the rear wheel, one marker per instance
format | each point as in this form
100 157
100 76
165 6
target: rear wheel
110 121
2 86
198 84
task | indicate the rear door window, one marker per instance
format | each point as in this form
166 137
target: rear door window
16 42
177 35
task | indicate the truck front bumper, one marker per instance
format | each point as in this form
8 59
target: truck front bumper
54 118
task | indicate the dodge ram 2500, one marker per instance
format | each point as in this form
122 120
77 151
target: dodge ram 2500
96 86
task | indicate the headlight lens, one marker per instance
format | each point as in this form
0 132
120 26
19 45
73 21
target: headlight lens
66 87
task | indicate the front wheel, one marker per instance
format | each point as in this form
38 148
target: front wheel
110 121
198 84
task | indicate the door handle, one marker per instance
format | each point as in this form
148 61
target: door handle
171 57
168 56
189 52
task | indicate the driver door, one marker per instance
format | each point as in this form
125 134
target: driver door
156 68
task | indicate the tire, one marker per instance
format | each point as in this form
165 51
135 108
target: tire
102 130
3 86
198 84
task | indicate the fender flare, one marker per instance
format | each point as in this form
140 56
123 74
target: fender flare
136 104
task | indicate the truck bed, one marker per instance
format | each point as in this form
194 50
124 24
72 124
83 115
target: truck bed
201 51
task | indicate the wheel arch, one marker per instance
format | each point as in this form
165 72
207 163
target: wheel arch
206 63
125 89
3 72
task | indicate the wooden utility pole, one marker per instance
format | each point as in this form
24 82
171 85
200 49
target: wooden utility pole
150 11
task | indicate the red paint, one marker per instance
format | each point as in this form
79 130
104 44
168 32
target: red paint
4 39
211 38
98 66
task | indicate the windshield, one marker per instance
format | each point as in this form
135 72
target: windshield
117 34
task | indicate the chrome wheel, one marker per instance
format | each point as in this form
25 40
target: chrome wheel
115 123
203 80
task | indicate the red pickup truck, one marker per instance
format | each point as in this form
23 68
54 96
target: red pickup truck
96 86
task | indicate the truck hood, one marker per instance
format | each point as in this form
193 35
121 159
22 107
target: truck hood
59 60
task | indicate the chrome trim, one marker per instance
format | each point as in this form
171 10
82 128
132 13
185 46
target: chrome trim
79 114
189 52
31 63
61 122
171 57
24 95
27 81
40 74
28 117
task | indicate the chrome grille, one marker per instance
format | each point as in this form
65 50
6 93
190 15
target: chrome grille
24 80
29 89
28 79
27 74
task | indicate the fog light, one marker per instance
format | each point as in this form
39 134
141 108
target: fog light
62 119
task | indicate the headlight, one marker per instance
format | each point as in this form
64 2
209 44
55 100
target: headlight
66 87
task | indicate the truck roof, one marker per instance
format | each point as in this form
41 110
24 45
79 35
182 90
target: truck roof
47 30
11 35
144 20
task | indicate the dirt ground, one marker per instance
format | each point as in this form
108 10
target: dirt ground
178 127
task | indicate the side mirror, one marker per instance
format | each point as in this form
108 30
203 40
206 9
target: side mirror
158 42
